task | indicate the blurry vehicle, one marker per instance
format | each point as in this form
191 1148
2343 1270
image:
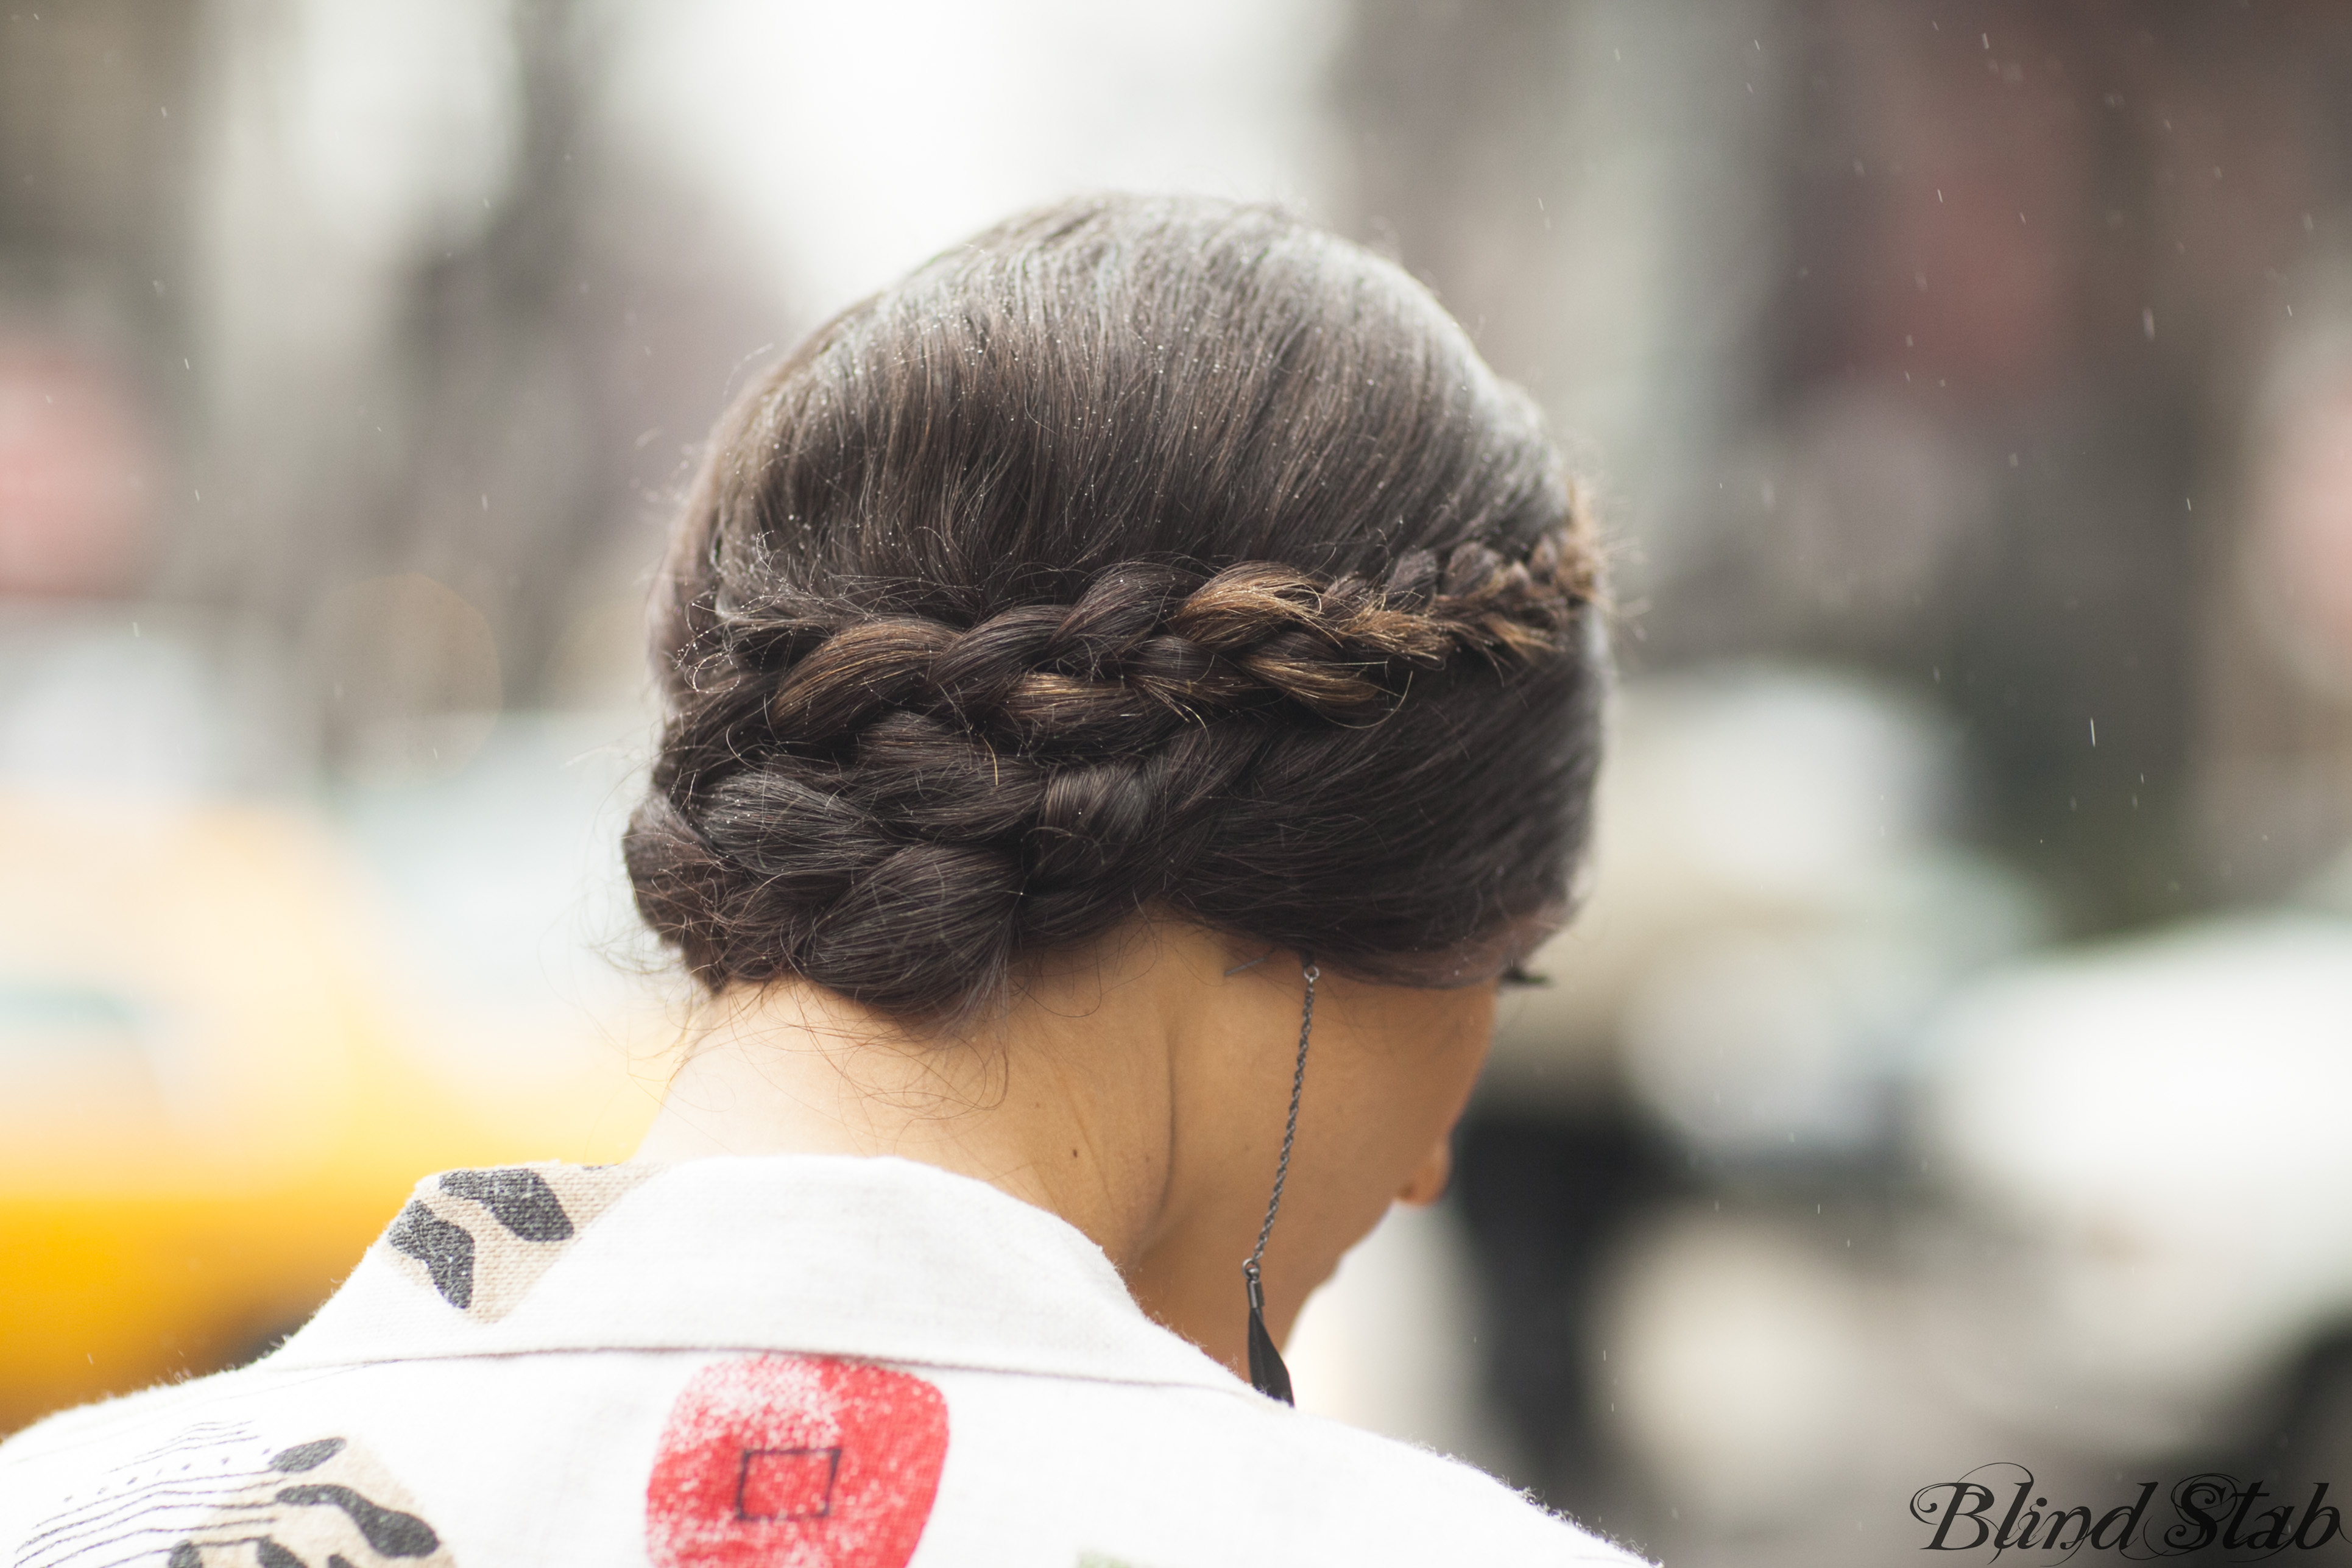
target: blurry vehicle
208 1101
1915 1191
203 1118
1665 1172
2148 1137
226 1050
1778 900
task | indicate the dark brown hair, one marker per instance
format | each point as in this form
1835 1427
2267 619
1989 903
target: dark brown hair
1138 555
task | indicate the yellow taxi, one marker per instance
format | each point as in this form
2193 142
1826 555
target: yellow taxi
212 1094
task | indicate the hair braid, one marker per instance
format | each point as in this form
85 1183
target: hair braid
896 756
1036 752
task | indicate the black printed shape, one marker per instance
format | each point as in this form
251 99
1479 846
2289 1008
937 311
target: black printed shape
829 1457
185 1555
273 1555
337 1560
390 1532
519 1199
307 1455
445 1250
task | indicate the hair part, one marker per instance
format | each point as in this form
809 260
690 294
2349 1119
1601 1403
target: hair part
1138 555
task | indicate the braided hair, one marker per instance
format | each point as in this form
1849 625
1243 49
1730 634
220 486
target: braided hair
1139 556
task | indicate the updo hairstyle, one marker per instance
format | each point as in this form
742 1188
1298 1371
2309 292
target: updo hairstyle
1139 555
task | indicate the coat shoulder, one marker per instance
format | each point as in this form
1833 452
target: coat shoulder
1427 1503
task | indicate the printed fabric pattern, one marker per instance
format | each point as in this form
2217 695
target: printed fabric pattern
208 1496
777 1361
481 1240
796 1462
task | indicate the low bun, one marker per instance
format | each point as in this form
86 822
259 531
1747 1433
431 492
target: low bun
978 640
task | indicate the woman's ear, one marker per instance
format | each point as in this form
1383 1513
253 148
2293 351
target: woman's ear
1427 1183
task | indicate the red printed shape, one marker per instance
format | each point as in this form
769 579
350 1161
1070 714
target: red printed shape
795 1462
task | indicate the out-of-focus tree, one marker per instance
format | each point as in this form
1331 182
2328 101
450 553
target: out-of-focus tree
401 304
95 130
457 333
95 127
1922 342
1587 187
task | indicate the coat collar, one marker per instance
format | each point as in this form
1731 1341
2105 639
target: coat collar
882 1260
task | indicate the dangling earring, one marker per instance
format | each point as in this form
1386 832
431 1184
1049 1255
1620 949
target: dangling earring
1267 1374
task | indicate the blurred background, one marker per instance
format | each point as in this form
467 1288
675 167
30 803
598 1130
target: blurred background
1953 1062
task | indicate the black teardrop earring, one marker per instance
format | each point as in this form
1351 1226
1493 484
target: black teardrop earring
1267 1374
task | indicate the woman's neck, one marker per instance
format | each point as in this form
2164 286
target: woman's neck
1139 1089
1064 1101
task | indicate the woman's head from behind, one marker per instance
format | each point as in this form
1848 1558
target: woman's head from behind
1139 557
1061 646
